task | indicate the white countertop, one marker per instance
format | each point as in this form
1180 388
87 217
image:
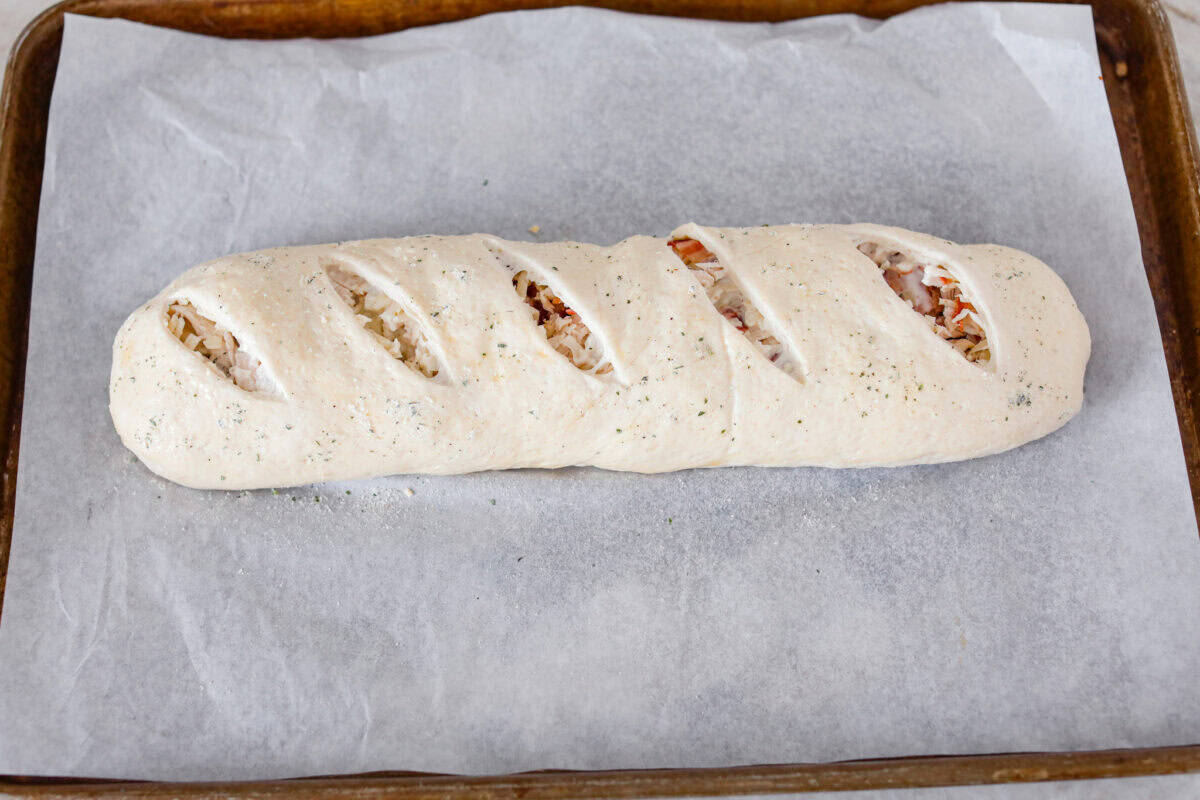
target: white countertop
1185 20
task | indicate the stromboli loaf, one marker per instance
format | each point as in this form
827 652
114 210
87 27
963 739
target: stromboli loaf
789 345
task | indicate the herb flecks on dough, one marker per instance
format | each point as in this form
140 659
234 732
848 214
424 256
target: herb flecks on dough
731 302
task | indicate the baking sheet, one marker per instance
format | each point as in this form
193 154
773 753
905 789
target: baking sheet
1041 599
1154 787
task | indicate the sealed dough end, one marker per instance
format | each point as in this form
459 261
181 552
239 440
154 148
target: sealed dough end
799 345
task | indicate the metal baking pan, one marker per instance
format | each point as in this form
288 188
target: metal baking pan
1141 76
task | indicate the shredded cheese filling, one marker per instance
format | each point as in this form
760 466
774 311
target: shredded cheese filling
935 293
385 320
201 335
730 302
565 331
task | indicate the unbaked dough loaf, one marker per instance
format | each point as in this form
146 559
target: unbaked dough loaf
784 346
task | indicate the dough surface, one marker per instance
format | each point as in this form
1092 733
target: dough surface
867 383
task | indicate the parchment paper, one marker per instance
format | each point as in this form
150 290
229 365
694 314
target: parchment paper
1043 599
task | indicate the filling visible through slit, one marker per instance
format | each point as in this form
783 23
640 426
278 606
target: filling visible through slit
385 319
201 335
565 331
935 293
727 297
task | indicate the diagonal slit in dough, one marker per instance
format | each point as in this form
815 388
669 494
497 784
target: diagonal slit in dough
732 303
219 346
564 329
385 320
933 291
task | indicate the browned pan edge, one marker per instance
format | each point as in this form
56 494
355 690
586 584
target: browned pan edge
1145 93
842 776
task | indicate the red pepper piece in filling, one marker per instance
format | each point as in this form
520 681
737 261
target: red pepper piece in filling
690 250
735 318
